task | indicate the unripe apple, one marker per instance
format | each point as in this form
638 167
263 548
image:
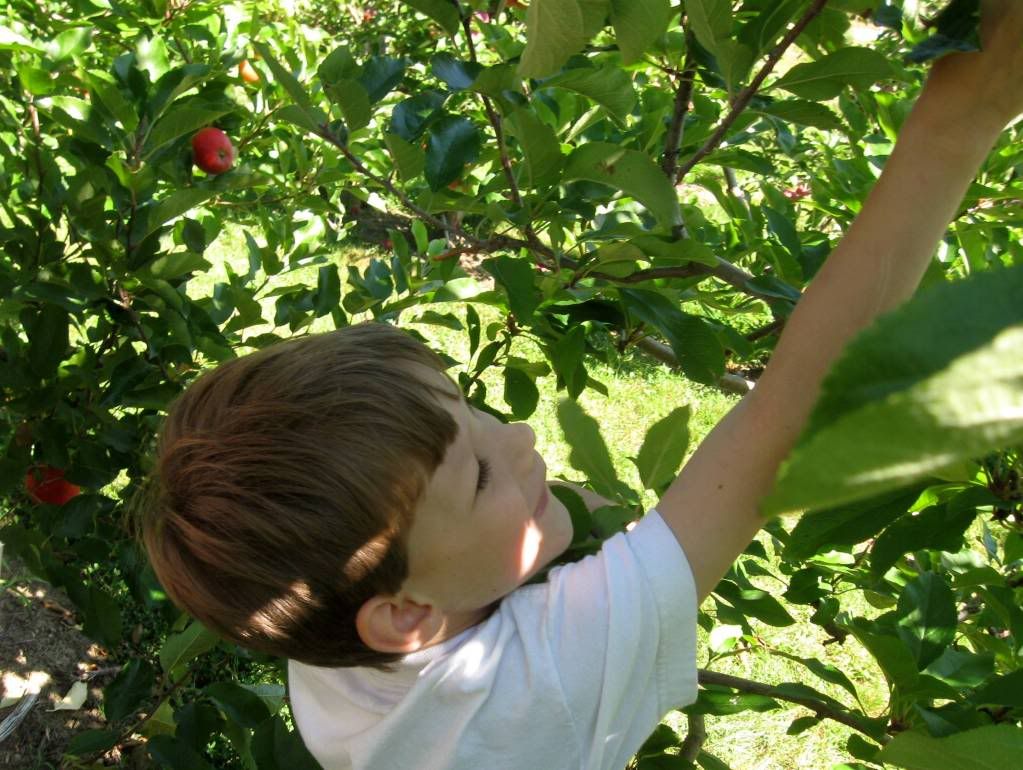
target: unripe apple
212 150
50 487
247 72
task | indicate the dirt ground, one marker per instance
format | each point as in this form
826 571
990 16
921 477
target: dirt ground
39 641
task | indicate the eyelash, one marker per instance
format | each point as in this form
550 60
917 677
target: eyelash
484 475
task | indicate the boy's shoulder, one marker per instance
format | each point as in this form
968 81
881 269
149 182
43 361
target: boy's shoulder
614 633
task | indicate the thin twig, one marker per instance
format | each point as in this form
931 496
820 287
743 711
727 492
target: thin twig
683 95
746 95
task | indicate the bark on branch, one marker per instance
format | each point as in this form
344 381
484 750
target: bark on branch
820 708
743 99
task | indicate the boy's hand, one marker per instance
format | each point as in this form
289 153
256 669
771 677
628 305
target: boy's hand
984 85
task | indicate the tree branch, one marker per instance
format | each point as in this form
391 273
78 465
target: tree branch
820 708
535 244
696 736
683 95
743 99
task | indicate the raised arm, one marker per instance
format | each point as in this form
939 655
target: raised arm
712 507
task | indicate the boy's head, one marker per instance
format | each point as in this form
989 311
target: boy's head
317 500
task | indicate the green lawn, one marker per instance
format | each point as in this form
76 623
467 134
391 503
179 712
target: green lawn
639 393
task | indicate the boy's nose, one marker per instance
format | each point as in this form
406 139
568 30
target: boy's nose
524 440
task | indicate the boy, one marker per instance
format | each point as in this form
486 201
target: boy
334 500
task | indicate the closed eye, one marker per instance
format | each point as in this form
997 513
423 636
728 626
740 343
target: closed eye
484 476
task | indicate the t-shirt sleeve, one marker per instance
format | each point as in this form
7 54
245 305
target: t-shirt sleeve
621 625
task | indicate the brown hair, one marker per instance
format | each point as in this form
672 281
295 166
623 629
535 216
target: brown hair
284 485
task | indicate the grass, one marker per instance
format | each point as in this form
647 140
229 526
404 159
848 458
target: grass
639 393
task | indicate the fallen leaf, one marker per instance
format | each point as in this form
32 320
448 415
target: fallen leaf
74 699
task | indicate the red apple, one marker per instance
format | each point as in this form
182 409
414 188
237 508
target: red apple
212 150
52 488
797 193
247 72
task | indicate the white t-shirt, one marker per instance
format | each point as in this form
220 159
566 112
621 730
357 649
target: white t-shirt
572 673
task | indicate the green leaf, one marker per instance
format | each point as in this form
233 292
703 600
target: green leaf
174 205
412 116
664 447
274 747
458 75
131 687
179 649
283 76
517 277
177 122
803 113
520 393
540 145
754 603
927 617
379 75
610 87
934 383
637 24
694 343
328 291
995 747
962 669
554 32
272 695
1006 690
845 525
632 172
891 654
91 741
48 333
105 89
351 97
825 78
721 701
672 251
408 158
567 358
338 65
161 722
173 265
244 707
711 22
442 12
174 753
313 122
453 143
103 618
589 453
939 527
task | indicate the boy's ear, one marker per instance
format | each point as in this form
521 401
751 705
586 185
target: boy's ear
395 624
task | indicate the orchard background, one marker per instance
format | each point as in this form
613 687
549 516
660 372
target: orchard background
554 195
